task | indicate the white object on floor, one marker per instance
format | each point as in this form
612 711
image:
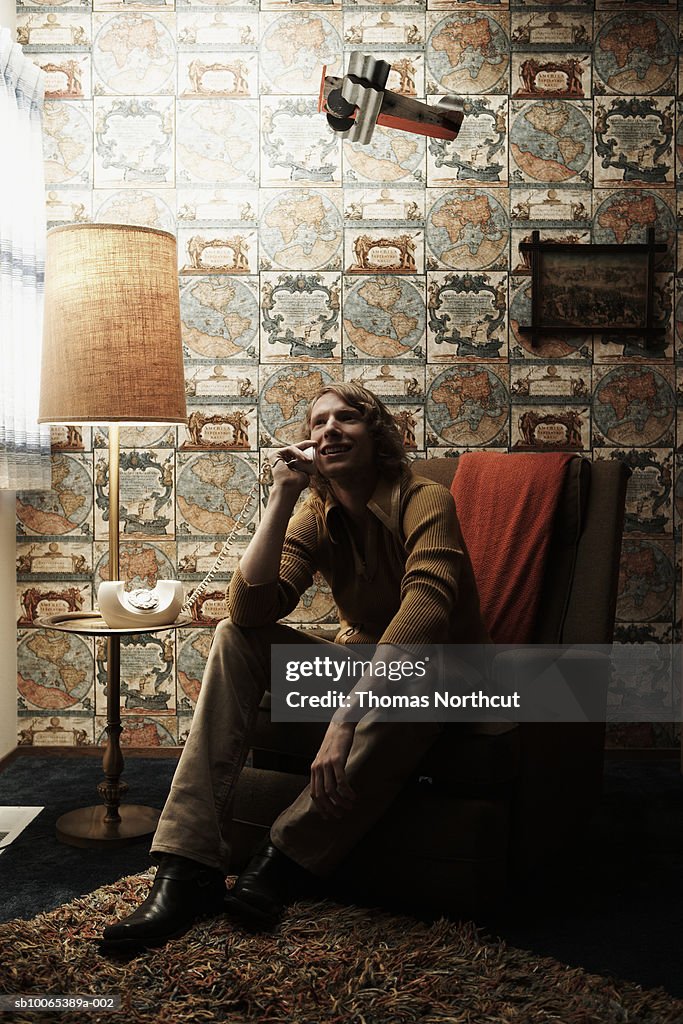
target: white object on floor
13 821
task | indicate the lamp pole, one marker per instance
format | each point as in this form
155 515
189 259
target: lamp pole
112 789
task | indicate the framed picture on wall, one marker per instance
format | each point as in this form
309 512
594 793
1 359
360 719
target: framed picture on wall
592 288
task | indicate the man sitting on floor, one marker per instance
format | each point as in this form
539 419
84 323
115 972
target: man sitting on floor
389 545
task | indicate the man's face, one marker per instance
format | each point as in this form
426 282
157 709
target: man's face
344 447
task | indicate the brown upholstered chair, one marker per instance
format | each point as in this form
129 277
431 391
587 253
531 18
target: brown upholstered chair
485 804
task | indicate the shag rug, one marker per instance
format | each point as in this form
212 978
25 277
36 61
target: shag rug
325 964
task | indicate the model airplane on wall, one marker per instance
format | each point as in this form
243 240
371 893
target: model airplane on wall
357 102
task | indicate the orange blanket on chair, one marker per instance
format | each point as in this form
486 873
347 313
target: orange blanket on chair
506 505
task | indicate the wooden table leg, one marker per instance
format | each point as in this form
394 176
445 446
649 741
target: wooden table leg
111 823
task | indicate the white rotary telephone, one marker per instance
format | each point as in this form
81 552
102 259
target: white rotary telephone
160 606
122 609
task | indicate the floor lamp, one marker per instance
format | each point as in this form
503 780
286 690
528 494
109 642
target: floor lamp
112 355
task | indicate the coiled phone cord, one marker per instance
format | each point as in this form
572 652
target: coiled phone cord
223 553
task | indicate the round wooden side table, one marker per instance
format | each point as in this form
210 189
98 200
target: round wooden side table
111 823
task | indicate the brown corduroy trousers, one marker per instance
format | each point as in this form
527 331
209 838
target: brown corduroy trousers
196 818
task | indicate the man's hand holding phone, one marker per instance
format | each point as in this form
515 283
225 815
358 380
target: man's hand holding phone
295 464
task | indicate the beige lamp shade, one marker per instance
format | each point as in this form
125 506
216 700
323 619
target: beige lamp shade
111 343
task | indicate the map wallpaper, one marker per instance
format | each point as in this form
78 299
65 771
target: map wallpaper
305 259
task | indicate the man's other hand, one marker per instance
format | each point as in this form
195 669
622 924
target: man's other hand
330 790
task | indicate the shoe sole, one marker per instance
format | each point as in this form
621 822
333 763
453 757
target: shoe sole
139 946
249 913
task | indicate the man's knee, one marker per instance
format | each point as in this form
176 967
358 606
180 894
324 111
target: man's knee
394 740
247 644
268 633
227 637
238 662
227 628
231 632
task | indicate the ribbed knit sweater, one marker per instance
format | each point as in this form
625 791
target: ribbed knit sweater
412 583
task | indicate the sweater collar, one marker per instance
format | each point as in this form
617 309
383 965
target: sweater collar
384 505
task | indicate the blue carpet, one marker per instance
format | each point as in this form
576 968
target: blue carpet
618 912
39 873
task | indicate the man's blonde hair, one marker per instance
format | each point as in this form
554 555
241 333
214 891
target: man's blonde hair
390 455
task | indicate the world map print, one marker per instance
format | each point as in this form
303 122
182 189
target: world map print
193 650
67 143
552 141
219 318
297 146
384 318
134 54
147 673
316 604
300 317
211 492
390 156
626 215
134 141
135 206
301 230
635 53
649 505
293 50
138 435
140 731
218 142
466 315
634 406
646 581
54 671
44 3
284 399
65 508
468 229
468 406
140 565
468 54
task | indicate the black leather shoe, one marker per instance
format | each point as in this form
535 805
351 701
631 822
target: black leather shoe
183 891
269 882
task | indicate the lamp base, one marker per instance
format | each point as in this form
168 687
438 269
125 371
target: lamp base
87 827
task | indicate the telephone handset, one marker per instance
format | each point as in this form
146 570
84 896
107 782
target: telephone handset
309 452
161 605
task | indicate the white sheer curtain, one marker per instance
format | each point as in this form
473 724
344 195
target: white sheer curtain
24 446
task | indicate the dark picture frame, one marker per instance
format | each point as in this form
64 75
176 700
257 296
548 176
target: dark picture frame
592 288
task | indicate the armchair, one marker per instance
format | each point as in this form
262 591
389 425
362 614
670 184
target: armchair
488 802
